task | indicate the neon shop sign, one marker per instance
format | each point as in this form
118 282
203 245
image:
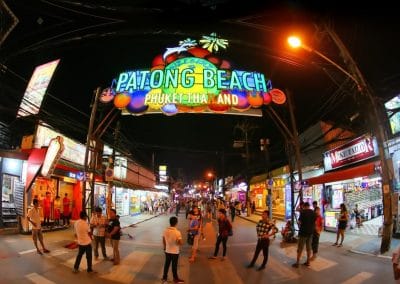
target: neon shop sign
189 78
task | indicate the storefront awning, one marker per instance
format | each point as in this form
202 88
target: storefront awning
128 185
353 172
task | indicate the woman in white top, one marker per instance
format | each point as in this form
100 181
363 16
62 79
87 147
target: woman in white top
34 218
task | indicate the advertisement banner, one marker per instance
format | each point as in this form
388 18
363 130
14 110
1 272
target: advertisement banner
362 148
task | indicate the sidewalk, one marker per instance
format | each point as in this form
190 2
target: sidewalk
354 241
131 221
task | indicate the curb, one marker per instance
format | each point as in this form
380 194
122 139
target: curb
370 254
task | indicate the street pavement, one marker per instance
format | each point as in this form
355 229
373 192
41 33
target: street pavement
142 258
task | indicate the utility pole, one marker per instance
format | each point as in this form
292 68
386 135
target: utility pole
264 146
292 149
90 149
246 127
378 129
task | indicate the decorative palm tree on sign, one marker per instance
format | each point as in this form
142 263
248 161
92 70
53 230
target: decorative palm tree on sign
213 43
188 42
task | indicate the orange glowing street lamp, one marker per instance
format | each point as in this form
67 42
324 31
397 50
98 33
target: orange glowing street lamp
295 42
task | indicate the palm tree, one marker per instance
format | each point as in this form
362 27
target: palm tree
213 43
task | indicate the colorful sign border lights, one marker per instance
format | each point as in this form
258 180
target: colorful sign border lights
191 78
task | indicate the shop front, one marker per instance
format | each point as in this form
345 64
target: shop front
352 177
12 172
394 151
259 192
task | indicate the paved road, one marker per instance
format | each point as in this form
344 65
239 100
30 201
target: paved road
142 260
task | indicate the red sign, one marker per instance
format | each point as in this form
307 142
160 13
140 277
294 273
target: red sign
357 150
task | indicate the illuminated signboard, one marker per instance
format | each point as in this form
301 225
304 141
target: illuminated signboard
73 152
162 172
53 154
359 149
37 86
189 78
392 109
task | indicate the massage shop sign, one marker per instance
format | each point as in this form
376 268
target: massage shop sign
191 78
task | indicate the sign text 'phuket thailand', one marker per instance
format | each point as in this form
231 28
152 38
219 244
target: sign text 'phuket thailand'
189 78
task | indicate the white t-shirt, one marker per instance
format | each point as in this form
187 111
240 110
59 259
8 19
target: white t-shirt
34 215
82 229
171 236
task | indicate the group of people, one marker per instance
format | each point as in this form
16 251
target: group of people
310 228
61 210
172 240
96 231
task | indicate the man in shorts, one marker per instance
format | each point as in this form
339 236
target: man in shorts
306 230
34 218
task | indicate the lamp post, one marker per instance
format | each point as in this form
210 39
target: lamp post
264 147
365 90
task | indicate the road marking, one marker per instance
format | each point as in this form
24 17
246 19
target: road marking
57 252
10 240
27 251
283 272
358 278
321 263
219 270
36 278
83 265
129 267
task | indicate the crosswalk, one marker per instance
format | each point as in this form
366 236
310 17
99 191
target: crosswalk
145 266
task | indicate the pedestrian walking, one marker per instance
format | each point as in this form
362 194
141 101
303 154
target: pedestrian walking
342 225
172 240
114 233
306 230
34 218
319 221
224 229
232 210
82 233
195 229
264 231
98 224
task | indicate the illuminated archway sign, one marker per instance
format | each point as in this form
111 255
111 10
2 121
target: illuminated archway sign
189 78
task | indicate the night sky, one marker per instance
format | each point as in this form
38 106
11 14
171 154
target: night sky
96 40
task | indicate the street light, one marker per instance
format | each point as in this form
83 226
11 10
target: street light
356 76
296 42
264 145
